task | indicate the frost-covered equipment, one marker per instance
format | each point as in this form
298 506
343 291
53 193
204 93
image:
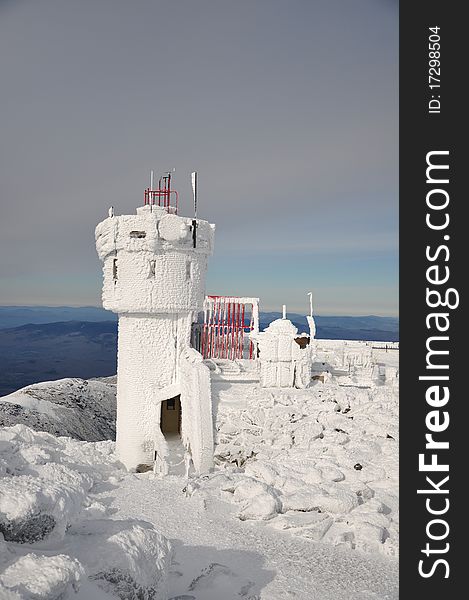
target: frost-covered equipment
310 318
228 321
163 196
154 279
285 358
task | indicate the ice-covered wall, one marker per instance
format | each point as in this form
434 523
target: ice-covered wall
154 278
344 354
197 416
146 367
150 264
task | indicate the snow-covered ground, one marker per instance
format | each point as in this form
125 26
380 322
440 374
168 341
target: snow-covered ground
303 502
56 540
84 410
321 463
219 557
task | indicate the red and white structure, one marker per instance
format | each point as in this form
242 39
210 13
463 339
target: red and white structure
163 196
154 268
225 332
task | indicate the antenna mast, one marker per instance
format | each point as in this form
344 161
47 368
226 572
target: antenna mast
194 220
194 192
310 294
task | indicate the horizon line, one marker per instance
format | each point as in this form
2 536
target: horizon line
318 314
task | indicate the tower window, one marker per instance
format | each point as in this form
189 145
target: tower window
152 270
188 270
138 234
114 269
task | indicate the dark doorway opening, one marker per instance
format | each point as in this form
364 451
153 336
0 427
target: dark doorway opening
170 422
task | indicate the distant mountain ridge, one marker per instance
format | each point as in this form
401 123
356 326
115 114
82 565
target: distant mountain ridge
328 326
15 316
34 352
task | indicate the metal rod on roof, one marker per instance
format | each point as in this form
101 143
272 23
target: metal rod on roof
194 220
194 191
226 334
242 332
169 189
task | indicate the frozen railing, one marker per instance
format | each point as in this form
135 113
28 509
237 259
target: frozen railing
385 345
162 197
224 334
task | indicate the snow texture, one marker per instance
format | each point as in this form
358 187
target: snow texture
320 462
159 272
154 279
85 410
55 535
197 419
32 576
303 501
146 366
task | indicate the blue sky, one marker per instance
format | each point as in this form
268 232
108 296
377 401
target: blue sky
288 110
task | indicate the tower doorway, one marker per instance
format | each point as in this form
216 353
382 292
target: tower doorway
170 422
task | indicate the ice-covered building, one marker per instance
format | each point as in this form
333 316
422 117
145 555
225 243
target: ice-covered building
154 267
285 357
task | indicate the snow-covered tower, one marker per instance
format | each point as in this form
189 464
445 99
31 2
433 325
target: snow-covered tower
154 267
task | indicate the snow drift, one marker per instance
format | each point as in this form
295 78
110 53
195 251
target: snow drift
55 535
321 463
79 408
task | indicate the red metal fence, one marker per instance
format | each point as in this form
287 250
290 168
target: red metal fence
223 334
161 198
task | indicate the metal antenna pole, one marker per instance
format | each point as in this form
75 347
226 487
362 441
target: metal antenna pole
169 189
310 294
194 192
194 220
150 193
